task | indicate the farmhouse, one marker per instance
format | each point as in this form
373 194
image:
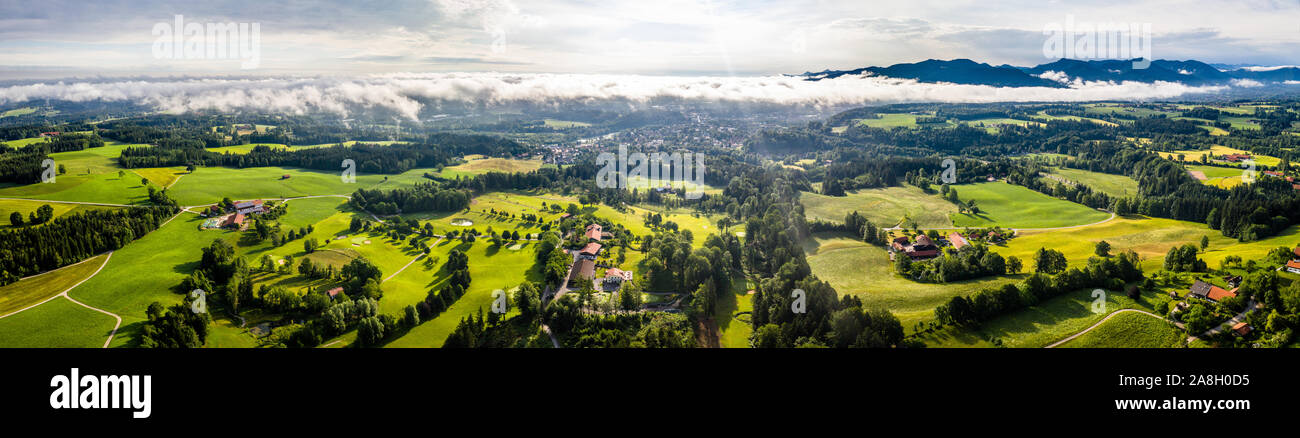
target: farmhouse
582 268
1207 291
1236 158
1293 267
590 251
593 232
249 207
234 221
1242 329
333 293
958 241
923 248
614 278
1297 253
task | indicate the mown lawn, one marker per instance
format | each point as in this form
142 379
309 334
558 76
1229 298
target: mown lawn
37 288
1040 325
1130 330
1009 205
59 323
856 268
885 207
1114 185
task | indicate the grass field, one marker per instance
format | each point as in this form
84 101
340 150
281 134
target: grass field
1151 238
19 144
8 206
890 121
1130 330
491 268
59 323
856 268
1043 116
992 125
105 188
1009 205
37 288
1222 177
1040 325
209 184
565 124
1113 185
18 112
1218 150
885 207
477 165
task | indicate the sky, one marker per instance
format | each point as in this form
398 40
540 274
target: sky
55 38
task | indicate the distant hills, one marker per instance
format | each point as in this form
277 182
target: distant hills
965 71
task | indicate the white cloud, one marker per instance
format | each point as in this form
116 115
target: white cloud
406 94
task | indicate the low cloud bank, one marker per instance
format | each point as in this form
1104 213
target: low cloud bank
407 94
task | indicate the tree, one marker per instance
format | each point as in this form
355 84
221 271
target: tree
1205 243
1103 249
1013 265
144 181
1049 261
16 219
527 300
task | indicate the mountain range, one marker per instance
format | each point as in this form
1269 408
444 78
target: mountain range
1059 73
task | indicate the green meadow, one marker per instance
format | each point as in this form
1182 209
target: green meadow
1040 325
59 323
26 208
1009 205
40 287
1130 330
856 268
207 185
1113 185
885 207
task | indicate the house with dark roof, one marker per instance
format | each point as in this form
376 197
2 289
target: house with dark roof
249 207
1207 291
922 248
582 268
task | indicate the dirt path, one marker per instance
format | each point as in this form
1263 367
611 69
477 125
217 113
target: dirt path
1103 321
64 294
417 258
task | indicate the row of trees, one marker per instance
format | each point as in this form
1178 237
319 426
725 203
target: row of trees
74 237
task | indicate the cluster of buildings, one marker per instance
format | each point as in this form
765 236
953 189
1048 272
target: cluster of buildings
1236 158
1293 266
924 248
584 263
236 219
1276 174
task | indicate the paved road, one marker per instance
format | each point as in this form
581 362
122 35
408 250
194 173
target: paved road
1107 318
1251 306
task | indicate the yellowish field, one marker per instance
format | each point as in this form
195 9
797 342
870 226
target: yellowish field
1217 150
885 207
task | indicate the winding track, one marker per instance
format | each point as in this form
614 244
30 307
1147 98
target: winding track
1103 321
64 294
